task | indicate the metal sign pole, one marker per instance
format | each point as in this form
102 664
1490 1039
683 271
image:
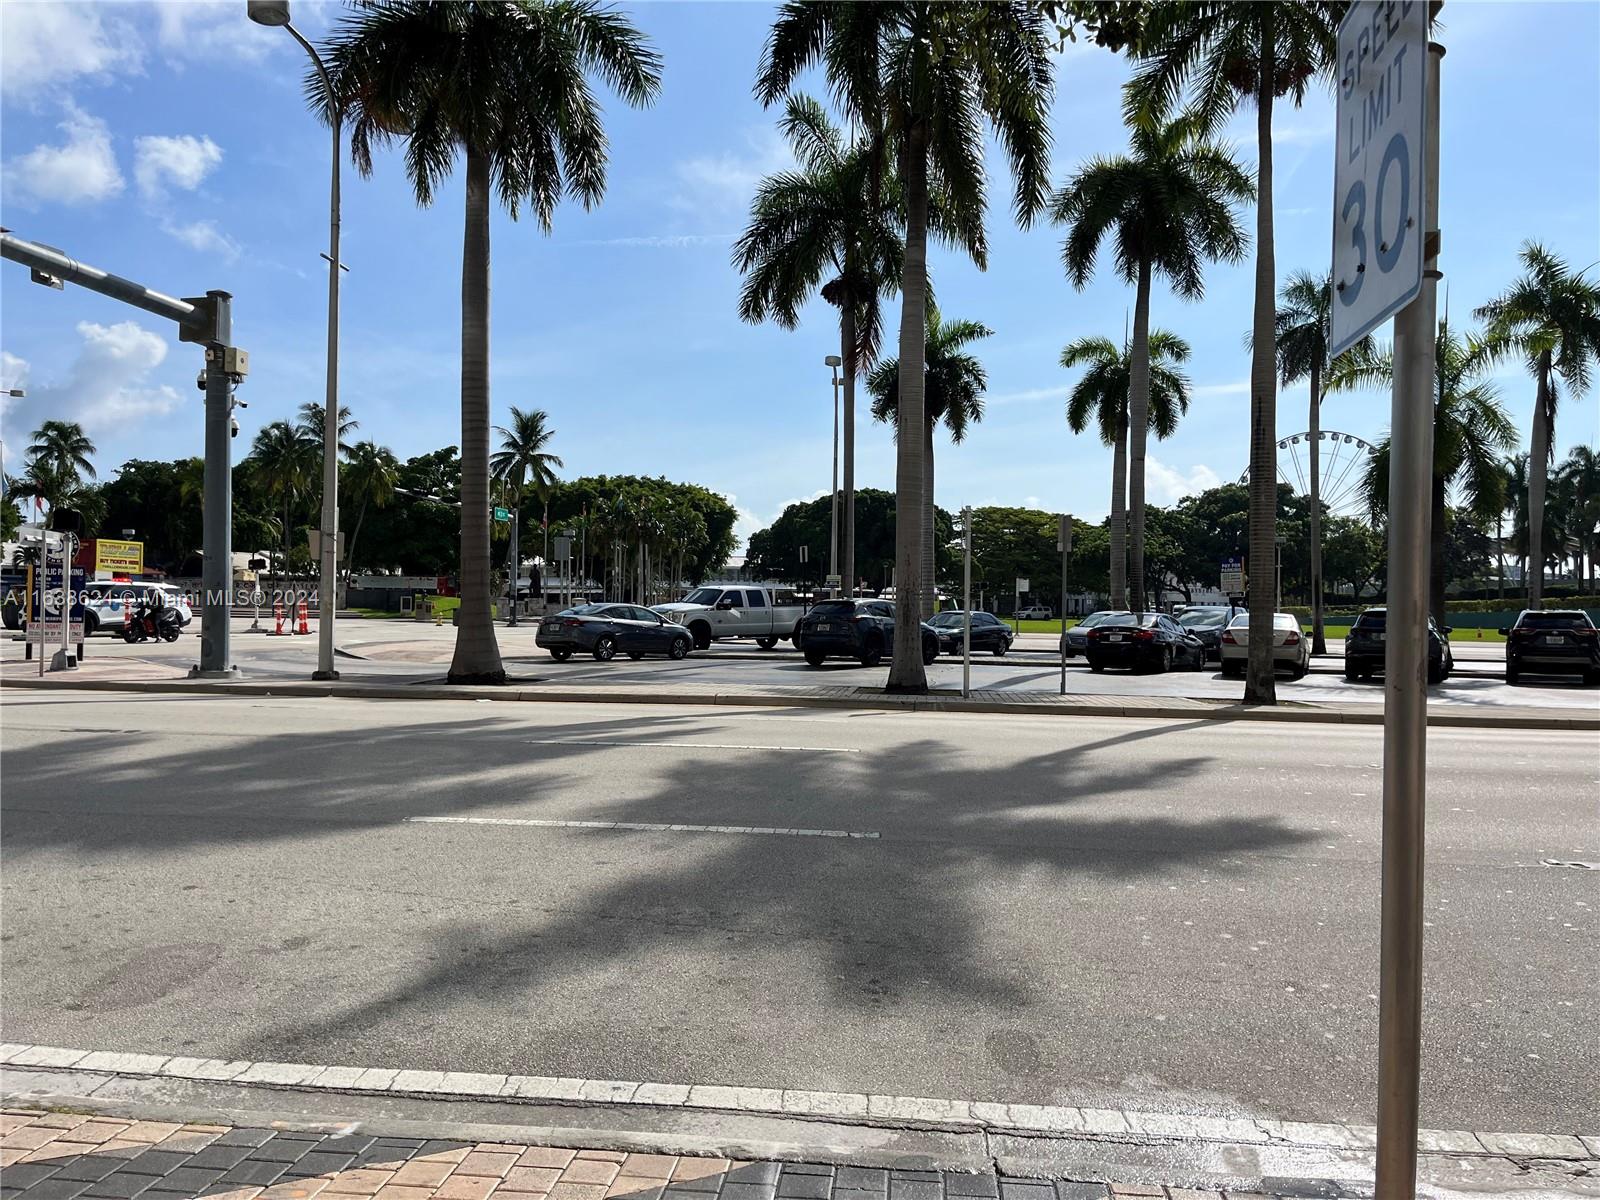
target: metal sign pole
966 602
1064 544
1405 709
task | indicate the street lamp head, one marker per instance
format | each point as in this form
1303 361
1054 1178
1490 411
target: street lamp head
833 360
17 392
268 12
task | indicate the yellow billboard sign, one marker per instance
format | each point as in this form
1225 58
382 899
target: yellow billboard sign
120 558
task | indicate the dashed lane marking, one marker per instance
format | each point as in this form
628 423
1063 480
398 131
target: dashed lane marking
648 827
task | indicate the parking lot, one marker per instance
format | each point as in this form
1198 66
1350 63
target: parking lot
384 647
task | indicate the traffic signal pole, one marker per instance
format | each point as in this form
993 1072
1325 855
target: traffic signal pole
207 320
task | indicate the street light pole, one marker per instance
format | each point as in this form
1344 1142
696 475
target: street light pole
834 361
275 13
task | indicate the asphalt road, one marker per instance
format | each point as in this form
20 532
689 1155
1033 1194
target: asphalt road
1147 913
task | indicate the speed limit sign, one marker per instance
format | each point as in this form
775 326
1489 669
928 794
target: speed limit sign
1378 171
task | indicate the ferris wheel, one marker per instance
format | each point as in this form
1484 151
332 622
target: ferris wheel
1343 464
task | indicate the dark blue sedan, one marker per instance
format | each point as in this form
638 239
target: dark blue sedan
605 629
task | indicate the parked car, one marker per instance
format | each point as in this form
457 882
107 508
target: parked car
1076 640
1552 641
726 610
1206 622
106 603
1364 647
604 630
1146 642
858 629
1034 612
1291 645
989 632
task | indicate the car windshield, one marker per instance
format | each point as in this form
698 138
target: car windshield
1203 618
1374 619
1554 620
951 620
1279 621
1098 618
585 610
1129 621
703 596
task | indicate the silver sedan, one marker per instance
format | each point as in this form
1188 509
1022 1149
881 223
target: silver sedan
1291 645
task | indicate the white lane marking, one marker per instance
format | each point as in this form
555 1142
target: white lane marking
647 826
691 745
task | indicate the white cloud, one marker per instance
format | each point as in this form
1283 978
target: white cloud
214 29
181 162
1210 391
43 45
726 181
1164 485
82 170
13 374
205 237
109 381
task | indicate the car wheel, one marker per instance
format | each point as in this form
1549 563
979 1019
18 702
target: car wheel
1001 647
1435 674
702 635
1351 674
605 648
1299 671
1591 678
561 655
91 624
679 648
815 657
1096 667
872 655
1166 660
767 643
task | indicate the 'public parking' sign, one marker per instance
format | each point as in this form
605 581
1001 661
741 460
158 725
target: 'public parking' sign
1377 178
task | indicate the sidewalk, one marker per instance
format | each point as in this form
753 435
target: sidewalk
411 681
112 1126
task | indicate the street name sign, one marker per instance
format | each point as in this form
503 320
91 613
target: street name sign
501 514
1378 165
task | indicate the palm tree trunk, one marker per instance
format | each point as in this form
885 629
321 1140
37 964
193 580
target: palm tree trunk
1138 432
929 568
906 674
477 656
1538 467
847 548
1260 685
350 548
1119 517
1319 639
1500 551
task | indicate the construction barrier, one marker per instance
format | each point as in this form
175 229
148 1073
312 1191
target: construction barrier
304 621
277 619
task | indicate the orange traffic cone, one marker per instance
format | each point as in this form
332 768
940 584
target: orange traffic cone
277 619
304 623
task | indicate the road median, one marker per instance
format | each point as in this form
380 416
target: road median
1012 702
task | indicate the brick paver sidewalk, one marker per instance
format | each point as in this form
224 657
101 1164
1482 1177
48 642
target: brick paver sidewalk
62 1156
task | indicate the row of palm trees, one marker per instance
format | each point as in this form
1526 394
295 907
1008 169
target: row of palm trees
507 89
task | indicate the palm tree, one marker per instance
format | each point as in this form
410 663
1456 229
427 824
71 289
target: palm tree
506 86
522 456
58 463
1514 473
1302 336
370 478
952 393
835 216
1580 476
287 461
1471 433
1101 396
1230 52
310 421
926 76
1551 317
1168 208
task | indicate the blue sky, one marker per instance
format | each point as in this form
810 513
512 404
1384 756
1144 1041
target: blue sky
169 143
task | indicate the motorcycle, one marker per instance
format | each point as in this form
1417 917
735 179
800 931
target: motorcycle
153 622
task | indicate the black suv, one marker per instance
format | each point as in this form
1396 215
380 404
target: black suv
1553 642
859 629
1363 647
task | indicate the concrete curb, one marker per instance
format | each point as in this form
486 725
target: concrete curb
919 1113
1304 711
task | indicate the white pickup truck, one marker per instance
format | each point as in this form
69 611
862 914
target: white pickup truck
732 610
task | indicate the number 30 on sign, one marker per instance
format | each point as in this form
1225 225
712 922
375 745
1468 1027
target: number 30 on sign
1378 184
